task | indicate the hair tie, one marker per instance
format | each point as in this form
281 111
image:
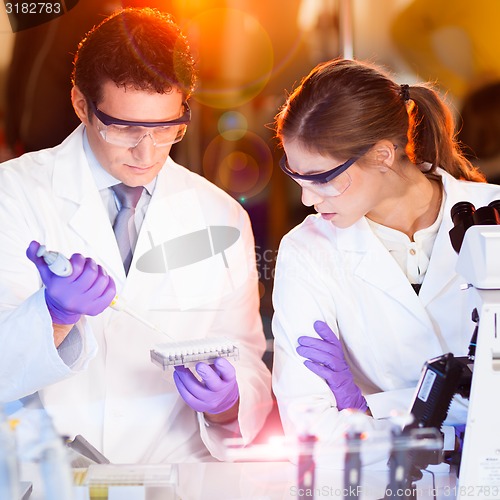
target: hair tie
405 92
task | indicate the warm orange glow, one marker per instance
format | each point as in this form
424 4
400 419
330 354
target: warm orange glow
234 53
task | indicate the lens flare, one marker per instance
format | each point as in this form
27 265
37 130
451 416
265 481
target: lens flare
241 167
235 56
232 125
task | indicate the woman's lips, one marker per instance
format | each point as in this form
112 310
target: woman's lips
328 216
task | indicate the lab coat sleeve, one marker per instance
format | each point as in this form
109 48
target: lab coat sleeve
306 403
240 320
29 359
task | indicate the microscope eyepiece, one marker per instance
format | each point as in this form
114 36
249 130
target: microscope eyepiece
462 212
495 204
485 216
464 215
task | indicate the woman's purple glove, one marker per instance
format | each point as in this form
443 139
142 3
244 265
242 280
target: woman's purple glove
326 359
215 393
87 290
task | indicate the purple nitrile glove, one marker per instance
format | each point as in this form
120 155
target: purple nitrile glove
215 393
325 358
87 290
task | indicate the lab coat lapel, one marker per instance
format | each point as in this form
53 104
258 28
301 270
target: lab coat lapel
158 221
377 267
441 271
165 218
175 211
382 271
82 204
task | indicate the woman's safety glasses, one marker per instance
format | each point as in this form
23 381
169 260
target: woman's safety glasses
330 183
129 134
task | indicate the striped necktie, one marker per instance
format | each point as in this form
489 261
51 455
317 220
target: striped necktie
124 226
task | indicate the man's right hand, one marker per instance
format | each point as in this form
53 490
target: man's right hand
87 290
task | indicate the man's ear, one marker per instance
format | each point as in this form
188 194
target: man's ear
80 105
385 155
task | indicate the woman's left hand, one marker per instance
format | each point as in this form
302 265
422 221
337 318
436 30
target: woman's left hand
325 357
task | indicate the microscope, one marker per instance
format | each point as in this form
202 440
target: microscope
479 263
476 238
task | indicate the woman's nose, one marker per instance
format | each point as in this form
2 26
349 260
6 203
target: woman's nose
310 197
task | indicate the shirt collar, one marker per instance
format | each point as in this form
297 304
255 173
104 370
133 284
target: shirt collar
103 179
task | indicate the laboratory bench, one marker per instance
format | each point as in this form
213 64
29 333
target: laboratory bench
256 481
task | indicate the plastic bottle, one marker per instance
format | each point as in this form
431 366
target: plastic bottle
54 464
9 465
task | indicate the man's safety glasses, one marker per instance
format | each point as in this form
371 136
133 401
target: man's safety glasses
129 133
330 183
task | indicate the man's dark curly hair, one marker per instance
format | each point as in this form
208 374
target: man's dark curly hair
141 49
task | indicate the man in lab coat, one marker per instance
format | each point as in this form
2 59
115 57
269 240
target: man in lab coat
89 363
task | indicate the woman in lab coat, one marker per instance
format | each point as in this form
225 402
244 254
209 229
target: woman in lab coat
366 289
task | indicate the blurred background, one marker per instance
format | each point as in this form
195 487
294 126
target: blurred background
250 54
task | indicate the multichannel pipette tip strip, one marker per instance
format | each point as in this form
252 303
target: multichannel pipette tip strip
190 352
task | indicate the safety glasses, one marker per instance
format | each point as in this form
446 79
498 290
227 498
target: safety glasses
333 182
130 133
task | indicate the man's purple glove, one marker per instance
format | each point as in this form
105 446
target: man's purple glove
87 290
215 393
326 359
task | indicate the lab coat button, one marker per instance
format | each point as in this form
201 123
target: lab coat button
413 251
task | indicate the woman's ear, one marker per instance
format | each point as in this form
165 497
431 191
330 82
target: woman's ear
385 155
80 105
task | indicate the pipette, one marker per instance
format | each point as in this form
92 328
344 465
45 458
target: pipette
61 266
167 355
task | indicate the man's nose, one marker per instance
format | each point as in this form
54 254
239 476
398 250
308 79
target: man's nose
145 148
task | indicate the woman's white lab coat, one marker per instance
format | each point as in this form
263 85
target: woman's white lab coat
347 278
112 393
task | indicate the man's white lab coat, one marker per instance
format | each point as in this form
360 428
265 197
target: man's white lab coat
112 393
